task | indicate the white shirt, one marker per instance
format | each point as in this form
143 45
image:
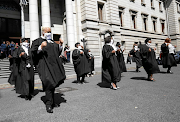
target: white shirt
171 48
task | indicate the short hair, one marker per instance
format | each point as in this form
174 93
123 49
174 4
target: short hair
167 40
107 39
77 44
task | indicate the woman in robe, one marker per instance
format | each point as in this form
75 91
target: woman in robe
110 67
149 59
168 59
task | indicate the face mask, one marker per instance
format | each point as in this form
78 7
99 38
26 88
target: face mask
136 47
48 36
25 44
149 44
79 47
112 41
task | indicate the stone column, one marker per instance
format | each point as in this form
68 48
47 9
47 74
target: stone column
34 20
45 8
70 24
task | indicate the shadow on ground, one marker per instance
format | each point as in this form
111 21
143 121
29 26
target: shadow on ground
139 78
58 99
163 72
104 85
75 81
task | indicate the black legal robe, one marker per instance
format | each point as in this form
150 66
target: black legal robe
22 76
91 63
110 66
80 61
149 60
136 57
168 60
49 65
120 58
14 67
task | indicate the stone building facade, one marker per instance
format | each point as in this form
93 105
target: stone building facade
130 21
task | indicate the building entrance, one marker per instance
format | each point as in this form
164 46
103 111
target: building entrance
10 29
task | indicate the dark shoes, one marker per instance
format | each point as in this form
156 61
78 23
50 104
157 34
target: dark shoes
28 97
170 72
49 109
55 105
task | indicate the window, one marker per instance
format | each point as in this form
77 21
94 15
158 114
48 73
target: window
160 6
162 25
143 3
179 25
144 19
101 12
152 4
121 12
154 20
178 7
133 18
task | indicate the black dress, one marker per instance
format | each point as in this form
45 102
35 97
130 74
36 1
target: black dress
80 61
120 58
49 65
110 66
168 59
149 60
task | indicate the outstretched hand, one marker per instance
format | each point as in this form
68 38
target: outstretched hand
43 44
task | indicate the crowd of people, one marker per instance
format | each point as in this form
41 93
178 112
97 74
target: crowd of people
7 49
47 57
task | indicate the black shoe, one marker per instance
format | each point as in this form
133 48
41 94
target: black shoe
55 105
169 72
49 109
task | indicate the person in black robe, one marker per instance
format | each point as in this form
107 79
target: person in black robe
91 63
129 59
168 59
80 60
111 72
49 66
14 67
24 79
120 57
136 56
149 59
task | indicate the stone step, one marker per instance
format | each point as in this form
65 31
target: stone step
5 72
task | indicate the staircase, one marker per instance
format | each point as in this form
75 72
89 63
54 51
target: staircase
5 72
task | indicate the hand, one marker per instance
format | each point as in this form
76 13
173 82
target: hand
22 53
81 52
1 51
82 47
113 51
175 46
167 44
149 49
43 44
118 50
60 56
154 48
90 58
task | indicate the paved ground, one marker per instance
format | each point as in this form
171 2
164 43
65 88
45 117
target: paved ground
137 100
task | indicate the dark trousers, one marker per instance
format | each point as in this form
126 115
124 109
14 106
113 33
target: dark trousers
82 80
50 97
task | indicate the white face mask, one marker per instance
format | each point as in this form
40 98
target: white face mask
48 36
79 47
136 47
112 41
25 44
149 44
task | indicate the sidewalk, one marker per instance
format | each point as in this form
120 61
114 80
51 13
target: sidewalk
4 81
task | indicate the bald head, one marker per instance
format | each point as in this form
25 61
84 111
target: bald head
46 30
